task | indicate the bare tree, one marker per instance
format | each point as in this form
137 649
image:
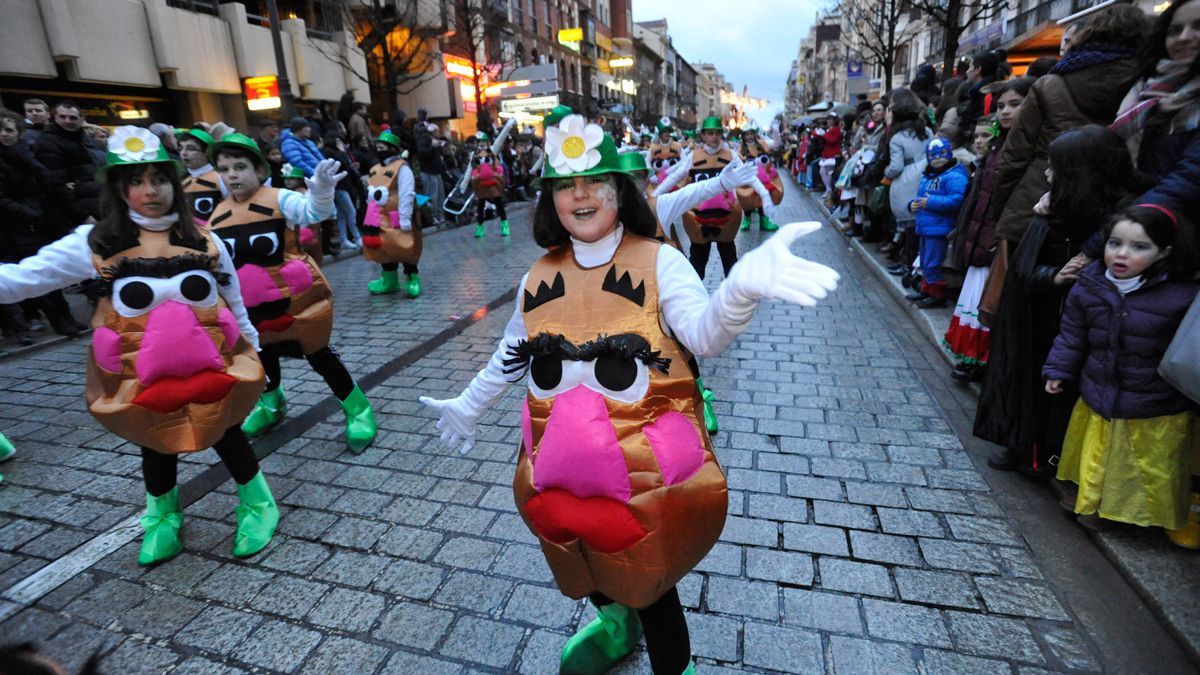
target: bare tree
953 17
878 30
479 25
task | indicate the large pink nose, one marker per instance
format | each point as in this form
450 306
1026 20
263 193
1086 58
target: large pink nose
175 345
579 451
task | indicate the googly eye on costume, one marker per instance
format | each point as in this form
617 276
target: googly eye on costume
672 161
763 159
204 206
230 245
134 296
625 380
264 244
660 164
378 194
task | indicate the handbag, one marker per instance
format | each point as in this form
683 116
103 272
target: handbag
990 300
1179 365
879 199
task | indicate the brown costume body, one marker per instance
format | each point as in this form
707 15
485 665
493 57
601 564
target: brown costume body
498 181
395 245
705 224
270 277
203 194
679 514
111 395
747 196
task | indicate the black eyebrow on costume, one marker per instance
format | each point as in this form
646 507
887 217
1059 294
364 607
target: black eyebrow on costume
157 268
624 287
544 293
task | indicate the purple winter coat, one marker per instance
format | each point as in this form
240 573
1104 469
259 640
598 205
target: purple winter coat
1112 344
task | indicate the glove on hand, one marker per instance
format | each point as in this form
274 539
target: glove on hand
772 272
457 422
325 178
733 177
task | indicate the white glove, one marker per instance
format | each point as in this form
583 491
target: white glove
457 422
772 272
733 177
325 178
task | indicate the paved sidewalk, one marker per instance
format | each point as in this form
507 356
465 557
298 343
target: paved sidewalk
861 537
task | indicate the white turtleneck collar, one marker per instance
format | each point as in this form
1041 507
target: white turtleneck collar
1125 286
154 224
596 253
201 171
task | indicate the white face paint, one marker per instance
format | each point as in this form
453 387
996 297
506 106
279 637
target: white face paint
607 194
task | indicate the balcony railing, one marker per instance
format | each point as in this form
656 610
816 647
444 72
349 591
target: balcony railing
199 6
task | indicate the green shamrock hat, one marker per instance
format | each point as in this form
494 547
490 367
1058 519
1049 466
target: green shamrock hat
389 137
664 124
239 141
134 145
633 162
577 147
289 171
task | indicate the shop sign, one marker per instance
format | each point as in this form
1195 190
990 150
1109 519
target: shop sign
262 93
526 104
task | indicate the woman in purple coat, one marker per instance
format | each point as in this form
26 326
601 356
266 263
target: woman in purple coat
1131 439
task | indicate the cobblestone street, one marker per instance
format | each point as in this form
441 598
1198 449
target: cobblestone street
861 536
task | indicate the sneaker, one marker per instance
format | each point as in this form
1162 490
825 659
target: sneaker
931 302
915 296
898 270
37 326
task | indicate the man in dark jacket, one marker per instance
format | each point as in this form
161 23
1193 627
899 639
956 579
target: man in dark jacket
37 118
982 73
63 150
429 155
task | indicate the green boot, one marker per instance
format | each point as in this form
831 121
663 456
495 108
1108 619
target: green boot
360 421
504 228
598 646
412 285
388 282
162 522
269 410
710 417
257 516
6 451
765 224
480 230
745 222
691 669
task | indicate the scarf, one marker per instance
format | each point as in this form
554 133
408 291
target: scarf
154 224
1168 98
1125 286
1091 54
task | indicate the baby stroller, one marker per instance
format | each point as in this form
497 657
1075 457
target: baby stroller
458 204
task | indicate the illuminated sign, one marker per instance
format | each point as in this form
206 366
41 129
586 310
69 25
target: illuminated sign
621 62
133 114
570 35
458 66
527 104
262 93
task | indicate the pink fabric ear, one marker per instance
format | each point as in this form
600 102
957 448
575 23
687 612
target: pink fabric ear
307 236
297 276
229 327
394 217
372 216
527 428
106 348
579 451
676 446
175 345
257 285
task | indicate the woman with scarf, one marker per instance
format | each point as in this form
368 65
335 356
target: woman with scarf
1160 115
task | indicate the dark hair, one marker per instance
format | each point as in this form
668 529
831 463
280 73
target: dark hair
986 62
1020 85
1040 66
1154 49
949 98
17 120
297 123
632 212
115 231
1177 233
1093 175
65 103
35 101
908 113
26 659
1118 25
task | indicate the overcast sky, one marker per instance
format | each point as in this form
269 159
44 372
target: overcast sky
752 42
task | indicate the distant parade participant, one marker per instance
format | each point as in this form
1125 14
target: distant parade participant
172 366
715 220
391 231
202 184
6 451
489 180
757 150
665 153
286 295
311 236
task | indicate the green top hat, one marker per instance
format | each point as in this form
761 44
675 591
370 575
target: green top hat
689 133
578 148
129 145
556 114
289 171
239 141
713 122
390 138
198 134
632 162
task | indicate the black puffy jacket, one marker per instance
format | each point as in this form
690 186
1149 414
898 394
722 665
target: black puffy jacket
69 162
23 186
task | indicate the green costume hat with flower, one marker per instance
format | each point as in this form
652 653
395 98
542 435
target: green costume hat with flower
556 115
664 124
289 171
713 122
239 141
633 162
577 147
390 138
134 145
198 134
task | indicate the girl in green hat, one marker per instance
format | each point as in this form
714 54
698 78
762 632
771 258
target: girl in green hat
616 476
488 179
392 224
172 366
202 185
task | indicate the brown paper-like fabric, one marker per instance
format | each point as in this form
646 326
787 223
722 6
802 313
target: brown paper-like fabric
682 521
492 192
203 194
397 246
312 309
194 426
672 150
747 196
711 165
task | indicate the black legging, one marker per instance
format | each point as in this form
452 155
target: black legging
700 253
159 470
324 361
666 632
409 268
497 202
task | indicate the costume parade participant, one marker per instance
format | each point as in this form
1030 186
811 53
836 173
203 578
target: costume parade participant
488 178
286 295
391 231
172 366
665 153
617 477
757 151
6 451
715 220
202 185
310 235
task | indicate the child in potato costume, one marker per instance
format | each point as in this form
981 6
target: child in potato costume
172 366
391 229
757 151
715 220
616 475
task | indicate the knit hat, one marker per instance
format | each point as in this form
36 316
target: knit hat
939 148
134 145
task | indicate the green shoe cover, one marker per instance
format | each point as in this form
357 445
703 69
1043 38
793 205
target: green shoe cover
745 222
598 646
765 224
6 448
388 282
269 410
360 421
710 417
412 285
257 517
504 228
690 670
161 523
480 230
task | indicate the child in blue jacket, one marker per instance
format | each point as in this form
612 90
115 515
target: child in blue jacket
940 196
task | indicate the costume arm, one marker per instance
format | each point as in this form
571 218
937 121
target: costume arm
706 326
672 205
466 174
57 265
676 174
305 209
405 191
231 292
498 144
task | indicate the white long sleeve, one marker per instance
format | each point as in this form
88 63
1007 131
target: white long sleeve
405 190
57 265
231 292
671 206
305 209
498 144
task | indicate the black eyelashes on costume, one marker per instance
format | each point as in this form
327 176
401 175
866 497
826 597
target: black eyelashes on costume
542 344
158 268
627 347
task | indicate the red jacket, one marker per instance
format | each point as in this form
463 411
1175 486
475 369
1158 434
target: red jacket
833 143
